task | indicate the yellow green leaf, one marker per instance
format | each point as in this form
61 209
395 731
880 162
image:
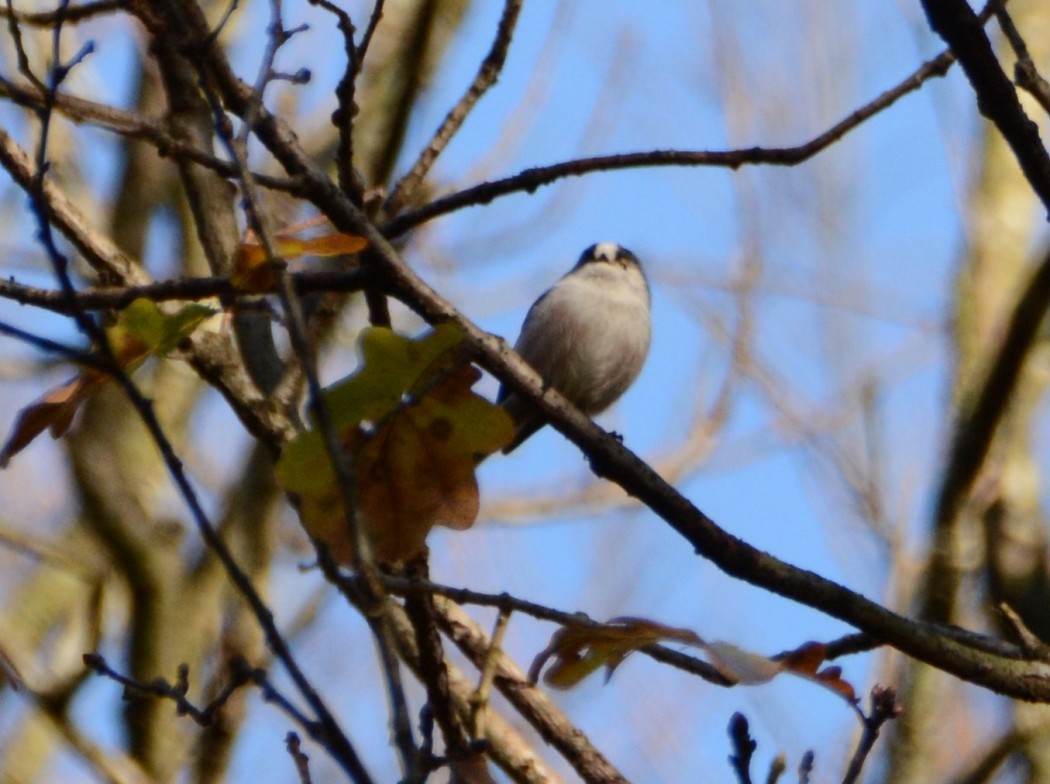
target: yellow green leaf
579 651
143 330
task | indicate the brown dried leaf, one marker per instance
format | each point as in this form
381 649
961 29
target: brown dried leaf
53 411
412 428
141 331
578 652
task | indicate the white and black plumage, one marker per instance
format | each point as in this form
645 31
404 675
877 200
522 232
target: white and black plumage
587 336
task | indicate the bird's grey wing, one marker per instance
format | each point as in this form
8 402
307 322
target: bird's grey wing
529 335
541 345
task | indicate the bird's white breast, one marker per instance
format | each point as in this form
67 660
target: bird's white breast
589 336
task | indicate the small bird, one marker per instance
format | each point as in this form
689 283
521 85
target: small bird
587 336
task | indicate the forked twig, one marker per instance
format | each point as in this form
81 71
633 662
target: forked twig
487 75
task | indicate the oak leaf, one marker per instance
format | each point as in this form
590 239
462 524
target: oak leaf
411 429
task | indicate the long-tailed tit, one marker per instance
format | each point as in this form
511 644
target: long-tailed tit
587 337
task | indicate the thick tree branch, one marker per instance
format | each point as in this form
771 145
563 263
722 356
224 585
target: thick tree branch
997 99
610 459
111 263
186 290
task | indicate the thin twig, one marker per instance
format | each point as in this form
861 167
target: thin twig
159 687
530 701
85 358
884 708
743 747
57 74
505 746
776 769
487 75
420 610
805 767
21 58
480 698
365 598
350 179
1030 642
131 125
302 762
366 39
1026 74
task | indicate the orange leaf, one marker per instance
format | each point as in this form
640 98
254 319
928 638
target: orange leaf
415 473
250 271
806 659
806 662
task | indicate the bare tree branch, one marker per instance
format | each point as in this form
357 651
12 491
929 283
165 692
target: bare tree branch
487 75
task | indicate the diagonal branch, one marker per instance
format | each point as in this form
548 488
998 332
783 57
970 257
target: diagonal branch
610 459
109 261
132 125
997 99
487 75
977 423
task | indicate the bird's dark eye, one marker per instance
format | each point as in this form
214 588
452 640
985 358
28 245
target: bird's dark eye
591 254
